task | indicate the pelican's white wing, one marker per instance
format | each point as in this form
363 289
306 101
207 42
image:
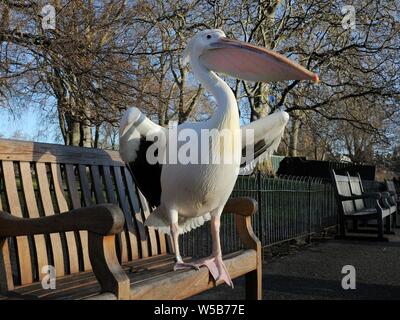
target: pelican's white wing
135 138
260 139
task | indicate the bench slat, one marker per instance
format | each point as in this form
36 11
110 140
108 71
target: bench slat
24 254
89 285
63 207
85 187
13 150
97 183
356 189
91 289
6 279
174 285
64 281
343 189
136 212
152 231
145 276
113 199
55 238
33 212
87 200
130 227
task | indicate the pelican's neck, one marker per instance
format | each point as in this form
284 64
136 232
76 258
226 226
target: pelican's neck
227 114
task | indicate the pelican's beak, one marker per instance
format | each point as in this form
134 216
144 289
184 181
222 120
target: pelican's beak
245 61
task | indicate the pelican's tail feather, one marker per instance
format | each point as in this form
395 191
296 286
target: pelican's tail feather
158 220
188 224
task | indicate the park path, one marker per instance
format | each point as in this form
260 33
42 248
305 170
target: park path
314 272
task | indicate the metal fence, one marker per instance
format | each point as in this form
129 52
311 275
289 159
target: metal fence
289 207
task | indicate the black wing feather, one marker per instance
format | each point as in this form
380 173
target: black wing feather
147 176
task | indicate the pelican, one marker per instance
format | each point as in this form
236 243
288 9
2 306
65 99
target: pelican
186 194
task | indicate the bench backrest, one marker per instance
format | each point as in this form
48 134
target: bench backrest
342 188
356 188
390 186
39 179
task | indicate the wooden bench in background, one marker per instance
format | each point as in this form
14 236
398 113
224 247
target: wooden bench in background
351 201
394 198
77 209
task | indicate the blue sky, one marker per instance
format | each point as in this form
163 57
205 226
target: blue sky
9 123
28 123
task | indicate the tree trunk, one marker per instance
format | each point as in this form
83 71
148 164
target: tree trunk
86 134
86 130
294 136
181 111
96 137
260 108
61 120
74 134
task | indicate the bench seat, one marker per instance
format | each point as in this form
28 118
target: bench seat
144 275
364 212
370 213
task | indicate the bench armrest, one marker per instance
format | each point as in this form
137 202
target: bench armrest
244 208
102 223
365 195
106 219
388 200
385 194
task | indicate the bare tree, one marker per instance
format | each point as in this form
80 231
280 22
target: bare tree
106 56
84 63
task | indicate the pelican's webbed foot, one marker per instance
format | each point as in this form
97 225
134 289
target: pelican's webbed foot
217 268
214 264
185 265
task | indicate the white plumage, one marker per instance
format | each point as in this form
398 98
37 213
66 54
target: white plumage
185 195
268 130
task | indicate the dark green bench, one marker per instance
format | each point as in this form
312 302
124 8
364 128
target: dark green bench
352 205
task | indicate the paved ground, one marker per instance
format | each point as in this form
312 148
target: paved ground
314 272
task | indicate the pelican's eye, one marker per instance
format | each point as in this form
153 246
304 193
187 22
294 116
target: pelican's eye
208 36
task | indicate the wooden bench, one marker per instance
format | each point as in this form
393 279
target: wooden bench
394 199
352 206
77 209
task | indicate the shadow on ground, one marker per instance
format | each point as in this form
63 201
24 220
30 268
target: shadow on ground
314 272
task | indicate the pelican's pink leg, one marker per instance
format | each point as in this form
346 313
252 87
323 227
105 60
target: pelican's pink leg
214 263
179 262
174 229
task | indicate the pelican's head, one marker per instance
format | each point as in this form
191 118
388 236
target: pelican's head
242 60
200 43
